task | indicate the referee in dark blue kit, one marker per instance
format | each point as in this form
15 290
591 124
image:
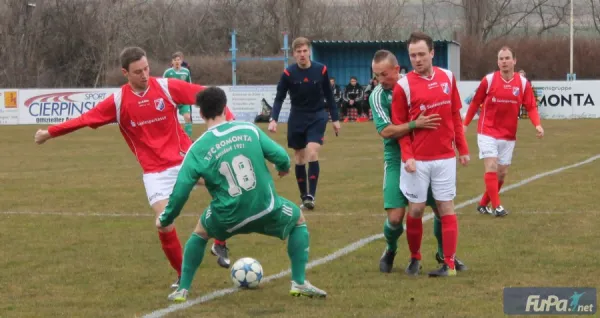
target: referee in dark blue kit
308 84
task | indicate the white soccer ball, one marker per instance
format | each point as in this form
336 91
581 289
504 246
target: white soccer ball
246 272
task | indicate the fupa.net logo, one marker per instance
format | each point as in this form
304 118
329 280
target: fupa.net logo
553 303
550 301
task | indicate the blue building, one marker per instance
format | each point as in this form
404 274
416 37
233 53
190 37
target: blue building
353 58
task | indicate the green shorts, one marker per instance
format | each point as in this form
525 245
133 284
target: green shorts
392 196
184 109
278 223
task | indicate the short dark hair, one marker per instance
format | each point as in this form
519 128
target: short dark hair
420 36
212 101
130 55
382 55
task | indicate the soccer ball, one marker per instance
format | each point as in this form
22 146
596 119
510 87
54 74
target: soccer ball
246 272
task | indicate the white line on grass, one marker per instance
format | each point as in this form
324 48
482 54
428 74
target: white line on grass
350 248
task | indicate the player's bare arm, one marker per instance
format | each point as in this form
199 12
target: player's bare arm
531 106
422 122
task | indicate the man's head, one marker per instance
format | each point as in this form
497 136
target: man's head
212 101
301 49
177 59
353 81
522 72
135 68
506 60
386 68
332 81
420 51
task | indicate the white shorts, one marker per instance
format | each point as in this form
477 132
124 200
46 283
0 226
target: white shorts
441 174
159 185
490 147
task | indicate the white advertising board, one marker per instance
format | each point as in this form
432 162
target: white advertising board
556 99
53 106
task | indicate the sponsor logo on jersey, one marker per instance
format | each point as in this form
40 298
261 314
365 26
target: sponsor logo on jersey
159 104
445 88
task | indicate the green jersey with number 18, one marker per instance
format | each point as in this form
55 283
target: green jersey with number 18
230 157
380 101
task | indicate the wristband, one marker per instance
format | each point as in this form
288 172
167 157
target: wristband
412 125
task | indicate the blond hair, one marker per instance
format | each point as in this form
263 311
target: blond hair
298 42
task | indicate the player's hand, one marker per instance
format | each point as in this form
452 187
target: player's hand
336 127
41 136
273 126
410 165
429 122
464 160
283 173
540 131
158 224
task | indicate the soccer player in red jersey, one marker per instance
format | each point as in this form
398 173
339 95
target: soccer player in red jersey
146 111
428 155
502 93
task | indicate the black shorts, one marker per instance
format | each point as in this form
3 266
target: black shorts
306 127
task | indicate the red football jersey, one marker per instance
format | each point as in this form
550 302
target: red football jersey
501 102
148 121
415 94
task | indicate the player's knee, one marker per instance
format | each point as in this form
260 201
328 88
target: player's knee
490 164
201 231
187 118
300 156
445 207
301 219
395 216
416 209
312 153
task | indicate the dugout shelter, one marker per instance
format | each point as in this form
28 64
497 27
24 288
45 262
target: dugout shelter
353 58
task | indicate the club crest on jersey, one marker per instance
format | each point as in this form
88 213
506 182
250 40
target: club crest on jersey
159 104
445 88
516 91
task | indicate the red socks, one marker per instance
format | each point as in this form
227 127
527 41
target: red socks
485 199
492 188
449 238
172 248
220 242
414 235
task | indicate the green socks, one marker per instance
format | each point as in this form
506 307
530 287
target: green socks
392 233
192 258
298 243
437 231
187 127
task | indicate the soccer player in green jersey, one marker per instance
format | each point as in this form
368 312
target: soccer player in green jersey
182 73
386 68
229 158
